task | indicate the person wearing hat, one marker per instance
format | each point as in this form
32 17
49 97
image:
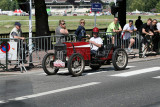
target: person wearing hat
16 32
96 42
15 36
126 35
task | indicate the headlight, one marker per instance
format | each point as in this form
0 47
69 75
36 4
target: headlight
67 58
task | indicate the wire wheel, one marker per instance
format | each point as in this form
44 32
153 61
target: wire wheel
47 64
76 64
120 59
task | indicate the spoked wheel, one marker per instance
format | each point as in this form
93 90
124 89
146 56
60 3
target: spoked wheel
120 59
76 64
47 64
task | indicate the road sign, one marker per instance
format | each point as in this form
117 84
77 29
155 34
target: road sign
5 48
96 7
11 50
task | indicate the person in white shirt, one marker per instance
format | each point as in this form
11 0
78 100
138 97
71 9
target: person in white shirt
126 34
16 33
96 42
158 26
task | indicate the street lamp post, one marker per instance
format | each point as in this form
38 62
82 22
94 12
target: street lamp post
30 33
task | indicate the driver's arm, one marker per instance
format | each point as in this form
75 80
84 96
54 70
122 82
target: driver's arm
96 44
99 44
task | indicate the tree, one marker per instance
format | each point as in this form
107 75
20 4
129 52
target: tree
111 4
150 4
137 4
42 28
8 4
141 5
158 7
14 5
5 4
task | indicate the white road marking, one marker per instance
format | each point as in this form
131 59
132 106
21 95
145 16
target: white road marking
130 66
136 72
103 71
49 92
158 77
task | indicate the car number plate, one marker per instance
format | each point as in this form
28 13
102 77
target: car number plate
59 63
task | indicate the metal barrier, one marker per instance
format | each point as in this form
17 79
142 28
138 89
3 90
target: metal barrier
41 46
13 49
118 41
44 44
34 55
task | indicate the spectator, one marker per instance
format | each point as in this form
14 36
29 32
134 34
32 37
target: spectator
158 26
146 34
81 32
96 42
138 23
115 28
61 30
126 35
146 28
15 36
155 38
16 33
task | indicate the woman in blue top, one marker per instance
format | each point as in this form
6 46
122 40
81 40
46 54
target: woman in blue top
81 31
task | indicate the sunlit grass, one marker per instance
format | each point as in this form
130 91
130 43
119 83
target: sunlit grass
72 22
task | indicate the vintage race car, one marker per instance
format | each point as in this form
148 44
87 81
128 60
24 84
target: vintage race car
76 55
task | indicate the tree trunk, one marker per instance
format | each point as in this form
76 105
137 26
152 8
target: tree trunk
122 13
42 28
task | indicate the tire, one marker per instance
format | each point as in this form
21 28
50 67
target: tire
73 64
95 67
47 64
120 56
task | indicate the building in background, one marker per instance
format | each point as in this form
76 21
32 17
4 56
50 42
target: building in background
72 6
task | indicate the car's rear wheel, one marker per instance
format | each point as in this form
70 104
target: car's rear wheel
76 64
47 64
120 59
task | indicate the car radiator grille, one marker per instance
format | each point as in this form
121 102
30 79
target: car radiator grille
60 55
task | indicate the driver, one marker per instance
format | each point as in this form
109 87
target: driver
96 42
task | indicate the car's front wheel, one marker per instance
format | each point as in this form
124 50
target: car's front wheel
47 64
76 64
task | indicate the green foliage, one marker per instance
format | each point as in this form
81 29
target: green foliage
111 4
141 5
5 4
158 7
8 4
14 5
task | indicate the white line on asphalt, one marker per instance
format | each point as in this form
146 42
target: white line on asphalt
49 92
103 71
158 77
136 72
130 66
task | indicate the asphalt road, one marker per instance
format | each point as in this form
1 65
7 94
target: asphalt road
137 86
